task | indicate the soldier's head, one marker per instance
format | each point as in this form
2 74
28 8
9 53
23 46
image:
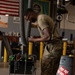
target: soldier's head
30 15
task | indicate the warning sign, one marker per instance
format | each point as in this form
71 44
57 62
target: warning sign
62 71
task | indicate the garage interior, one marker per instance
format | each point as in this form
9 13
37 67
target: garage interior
14 34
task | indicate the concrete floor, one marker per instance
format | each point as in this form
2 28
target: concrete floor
4 69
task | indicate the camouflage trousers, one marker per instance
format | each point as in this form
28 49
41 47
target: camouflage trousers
51 58
50 66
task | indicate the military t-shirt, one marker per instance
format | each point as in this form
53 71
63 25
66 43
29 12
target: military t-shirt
45 21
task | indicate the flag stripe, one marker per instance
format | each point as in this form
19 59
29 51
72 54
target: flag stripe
9 10
10 7
10 4
7 7
9 1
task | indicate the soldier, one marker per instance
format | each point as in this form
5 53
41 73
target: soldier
52 48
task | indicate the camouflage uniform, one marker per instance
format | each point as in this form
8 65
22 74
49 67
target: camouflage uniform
50 64
50 60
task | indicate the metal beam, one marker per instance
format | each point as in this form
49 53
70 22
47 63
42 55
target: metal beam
22 27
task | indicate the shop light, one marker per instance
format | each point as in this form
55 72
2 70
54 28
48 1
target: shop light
6 14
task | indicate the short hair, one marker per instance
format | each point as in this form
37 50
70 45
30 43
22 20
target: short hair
28 11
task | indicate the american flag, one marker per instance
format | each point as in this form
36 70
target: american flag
10 7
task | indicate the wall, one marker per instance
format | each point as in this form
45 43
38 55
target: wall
68 27
11 26
15 27
68 23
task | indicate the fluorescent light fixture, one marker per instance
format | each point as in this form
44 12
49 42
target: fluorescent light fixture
66 0
6 14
